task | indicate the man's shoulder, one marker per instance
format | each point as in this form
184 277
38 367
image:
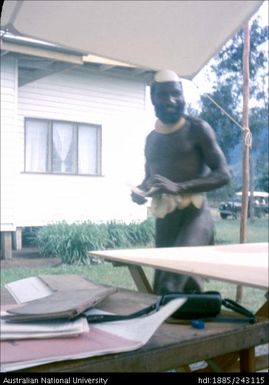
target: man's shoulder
151 133
196 122
200 126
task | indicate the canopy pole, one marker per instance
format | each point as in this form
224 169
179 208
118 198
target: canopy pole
246 146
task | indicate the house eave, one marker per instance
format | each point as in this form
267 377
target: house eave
40 52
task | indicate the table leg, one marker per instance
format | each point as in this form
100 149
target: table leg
140 279
264 310
247 360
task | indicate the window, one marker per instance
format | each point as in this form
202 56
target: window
62 147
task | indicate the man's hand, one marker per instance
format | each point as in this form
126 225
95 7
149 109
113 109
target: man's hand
163 185
137 198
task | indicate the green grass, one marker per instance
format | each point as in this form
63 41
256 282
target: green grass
227 231
102 273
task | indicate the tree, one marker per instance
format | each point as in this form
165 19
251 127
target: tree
227 132
228 63
259 154
263 180
227 92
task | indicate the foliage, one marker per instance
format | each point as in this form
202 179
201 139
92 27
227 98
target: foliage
227 132
263 180
72 242
222 194
259 152
227 70
228 63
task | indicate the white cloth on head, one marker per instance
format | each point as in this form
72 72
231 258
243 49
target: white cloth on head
166 76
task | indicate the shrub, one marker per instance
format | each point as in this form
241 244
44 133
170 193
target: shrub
72 242
117 236
141 233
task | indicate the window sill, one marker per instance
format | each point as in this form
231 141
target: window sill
60 174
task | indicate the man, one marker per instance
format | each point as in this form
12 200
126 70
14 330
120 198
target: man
183 161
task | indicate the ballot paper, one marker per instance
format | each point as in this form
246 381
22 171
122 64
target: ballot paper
106 338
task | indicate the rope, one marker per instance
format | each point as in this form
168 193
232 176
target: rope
246 131
247 137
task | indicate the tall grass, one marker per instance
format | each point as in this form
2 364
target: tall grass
72 242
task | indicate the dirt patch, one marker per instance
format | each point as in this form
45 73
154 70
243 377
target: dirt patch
28 258
29 262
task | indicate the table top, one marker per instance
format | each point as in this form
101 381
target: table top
245 263
171 346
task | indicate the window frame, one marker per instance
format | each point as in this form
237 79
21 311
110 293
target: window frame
49 153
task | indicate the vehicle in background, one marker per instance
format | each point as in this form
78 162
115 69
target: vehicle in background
232 208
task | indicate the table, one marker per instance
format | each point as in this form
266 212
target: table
244 264
178 345
172 346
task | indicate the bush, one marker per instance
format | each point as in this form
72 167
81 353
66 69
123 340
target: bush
141 233
72 242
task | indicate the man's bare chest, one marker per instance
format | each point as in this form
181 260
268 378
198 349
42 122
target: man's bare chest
175 147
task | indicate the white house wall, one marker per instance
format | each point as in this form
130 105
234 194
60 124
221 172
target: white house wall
80 95
9 154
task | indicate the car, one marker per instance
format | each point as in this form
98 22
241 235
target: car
232 208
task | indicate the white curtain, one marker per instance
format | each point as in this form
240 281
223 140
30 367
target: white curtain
62 141
87 149
36 146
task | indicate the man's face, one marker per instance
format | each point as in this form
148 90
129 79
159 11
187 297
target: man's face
168 101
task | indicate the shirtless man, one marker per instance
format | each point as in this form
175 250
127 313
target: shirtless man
183 161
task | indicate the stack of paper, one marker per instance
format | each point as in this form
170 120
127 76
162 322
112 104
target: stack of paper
26 344
48 329
106 338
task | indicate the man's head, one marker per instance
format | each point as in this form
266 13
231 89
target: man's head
167 96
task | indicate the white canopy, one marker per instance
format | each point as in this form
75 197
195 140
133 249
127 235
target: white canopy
179 35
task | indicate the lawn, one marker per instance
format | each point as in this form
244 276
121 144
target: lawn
227 231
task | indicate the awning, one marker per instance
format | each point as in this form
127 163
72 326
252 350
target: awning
180 35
